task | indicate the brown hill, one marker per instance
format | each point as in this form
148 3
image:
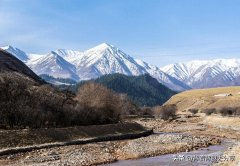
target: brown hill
9 63
207 98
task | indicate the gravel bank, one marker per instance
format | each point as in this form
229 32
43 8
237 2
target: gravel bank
76 142
163 144
106 152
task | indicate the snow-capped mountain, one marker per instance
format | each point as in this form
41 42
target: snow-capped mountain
21 55
162 77
107 59
93 63
53 65
69 55
206 74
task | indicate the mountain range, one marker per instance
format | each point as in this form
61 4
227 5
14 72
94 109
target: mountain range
206 74
93 63
108 59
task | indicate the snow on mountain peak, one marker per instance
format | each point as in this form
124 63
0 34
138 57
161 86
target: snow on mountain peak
108 59
54 65
21 55
103 46
53 53
95 62
206 73
104 52
6 47
68 53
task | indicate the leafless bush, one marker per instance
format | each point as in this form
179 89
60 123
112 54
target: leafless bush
237 112
165 112
128 107
26 104
146 111
224 111
209 111
229 111
193 111
98 104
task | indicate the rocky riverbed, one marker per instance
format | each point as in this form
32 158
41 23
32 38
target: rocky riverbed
181 135
106 152
203 126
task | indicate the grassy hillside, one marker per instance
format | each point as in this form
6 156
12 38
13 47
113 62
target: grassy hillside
143 90
205 98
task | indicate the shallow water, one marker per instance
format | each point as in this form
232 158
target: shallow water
168 159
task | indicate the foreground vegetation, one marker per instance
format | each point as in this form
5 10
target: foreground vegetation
26 103
29 104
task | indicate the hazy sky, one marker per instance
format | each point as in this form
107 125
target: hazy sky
157 31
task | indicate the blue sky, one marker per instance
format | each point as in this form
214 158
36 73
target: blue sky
157 31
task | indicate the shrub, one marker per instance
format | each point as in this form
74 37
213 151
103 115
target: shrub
227 111
23 103
209 111
165 112
193 110
224 111
98 105
237 112
145 111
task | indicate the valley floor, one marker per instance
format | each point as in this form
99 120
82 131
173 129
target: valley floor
183 134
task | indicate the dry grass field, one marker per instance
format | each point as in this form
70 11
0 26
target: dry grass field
206 98
223 122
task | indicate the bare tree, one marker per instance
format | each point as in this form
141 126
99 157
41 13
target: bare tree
165 112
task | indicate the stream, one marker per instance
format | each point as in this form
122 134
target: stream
168 159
